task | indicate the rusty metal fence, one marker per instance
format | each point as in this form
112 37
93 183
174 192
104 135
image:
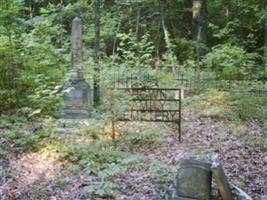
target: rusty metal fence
147 103
149 100
195 83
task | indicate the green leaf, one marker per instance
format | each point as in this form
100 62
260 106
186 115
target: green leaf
38 111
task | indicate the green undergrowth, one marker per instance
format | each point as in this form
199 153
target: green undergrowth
148 137
162 176
259 140
37 192
89 151
10 134
237 106
9 122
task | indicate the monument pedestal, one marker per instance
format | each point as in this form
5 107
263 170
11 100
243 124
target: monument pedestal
76 100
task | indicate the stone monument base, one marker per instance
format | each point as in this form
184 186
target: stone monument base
74 114
76 100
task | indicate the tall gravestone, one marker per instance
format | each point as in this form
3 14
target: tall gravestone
77 98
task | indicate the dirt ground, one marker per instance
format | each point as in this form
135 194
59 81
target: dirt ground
33 176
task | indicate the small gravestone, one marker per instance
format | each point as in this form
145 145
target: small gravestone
77 98
193 180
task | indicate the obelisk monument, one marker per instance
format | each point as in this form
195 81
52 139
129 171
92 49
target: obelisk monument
77 99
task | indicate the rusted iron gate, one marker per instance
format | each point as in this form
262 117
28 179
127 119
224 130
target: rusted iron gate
151 104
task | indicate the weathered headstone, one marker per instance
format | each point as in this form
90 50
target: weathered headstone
77 99
193 180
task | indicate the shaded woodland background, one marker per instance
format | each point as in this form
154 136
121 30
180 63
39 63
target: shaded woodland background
215 50
226 37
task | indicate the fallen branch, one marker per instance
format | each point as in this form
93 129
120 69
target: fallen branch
240 193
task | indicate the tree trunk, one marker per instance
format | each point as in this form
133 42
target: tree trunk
199 29
158 37
138 13
115 37
97 40
30 9
165 31
226 10
168 42
265 42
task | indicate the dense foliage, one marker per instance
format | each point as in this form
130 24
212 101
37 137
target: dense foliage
35 38
213 49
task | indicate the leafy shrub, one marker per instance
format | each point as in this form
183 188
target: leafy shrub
248 106
7 98
135 53
230 61
4 153
9 121
33 141
212 103
163 178
45 99
33 60
104 189
90 157
37 192
231 106
150 138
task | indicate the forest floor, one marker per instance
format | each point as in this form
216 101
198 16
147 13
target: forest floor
35 174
